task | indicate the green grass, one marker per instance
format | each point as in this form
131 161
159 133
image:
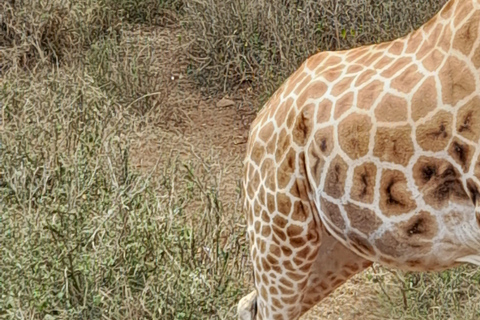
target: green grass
87 233
451 294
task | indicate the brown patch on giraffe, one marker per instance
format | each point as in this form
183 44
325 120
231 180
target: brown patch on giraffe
446 38
262 195
278 234
363 184
364 77
332 60
249 172
294 79
257 208
439 182
334 184
354 68
435 134
299 189
304 84
396 67
391 109
368 94
313 90
476 58
476 170
321 146
257 226
422 225
407 80
294 231
466 36
324 140
270 107
250 217
303 126
447 10
394 144
265 217
282 111
268 174
414 41
279 221
363 219
272 144
396 47
316 163
383 62
283 145
425 99
324 110
430 42
266 132
395 197
360 243
468 120
316 60
292 115
342 86
304 253
356 53
374 56
474 192
286 251
253 184
382 46
284 204
402 241
461 152
286 169
258 267
332 211
332 74
258 152
271 206
301 211
433 60
343 104
457 81
354 135
462 12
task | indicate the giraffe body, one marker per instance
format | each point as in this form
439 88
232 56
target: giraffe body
366 155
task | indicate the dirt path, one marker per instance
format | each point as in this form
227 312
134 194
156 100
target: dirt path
188 125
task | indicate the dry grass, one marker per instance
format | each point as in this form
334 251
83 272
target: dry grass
259 43
106 210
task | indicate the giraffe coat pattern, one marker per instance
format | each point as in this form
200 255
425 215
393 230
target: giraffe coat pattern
366 155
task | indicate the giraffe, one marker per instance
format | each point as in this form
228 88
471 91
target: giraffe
366 155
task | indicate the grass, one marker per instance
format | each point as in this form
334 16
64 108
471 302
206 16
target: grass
87 230
84 235
237 43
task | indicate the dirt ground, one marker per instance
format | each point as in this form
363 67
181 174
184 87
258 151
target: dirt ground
192 125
